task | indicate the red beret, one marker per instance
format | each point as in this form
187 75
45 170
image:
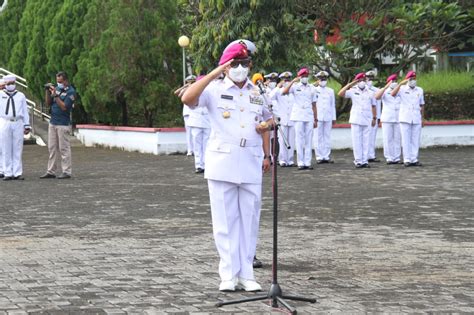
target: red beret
392 77
303 71
410 74
235 51
360 76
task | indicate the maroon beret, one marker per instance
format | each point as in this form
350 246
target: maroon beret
410 74
235 51
360 76
303 71
392 77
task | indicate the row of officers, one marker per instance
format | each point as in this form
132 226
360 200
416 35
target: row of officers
307 110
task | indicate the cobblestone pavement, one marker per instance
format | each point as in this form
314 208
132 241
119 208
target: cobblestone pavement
131 233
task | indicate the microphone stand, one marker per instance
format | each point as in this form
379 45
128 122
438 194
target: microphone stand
275 293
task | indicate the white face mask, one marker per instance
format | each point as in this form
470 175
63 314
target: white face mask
304 80
369 83
272 85
323 83
238 74
10 87
361 85
412 83
393 85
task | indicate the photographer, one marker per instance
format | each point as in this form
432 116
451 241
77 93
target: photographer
61 99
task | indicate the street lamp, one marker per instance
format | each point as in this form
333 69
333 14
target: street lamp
183 41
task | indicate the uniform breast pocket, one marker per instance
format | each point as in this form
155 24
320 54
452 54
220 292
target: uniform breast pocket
226 105
257 109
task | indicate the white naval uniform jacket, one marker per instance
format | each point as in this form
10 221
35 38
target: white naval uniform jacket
21 108
305 96
378 103
391 107
412 99
362 102
199 117
283 106
234 151
326 104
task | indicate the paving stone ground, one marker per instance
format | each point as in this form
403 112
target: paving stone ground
131 233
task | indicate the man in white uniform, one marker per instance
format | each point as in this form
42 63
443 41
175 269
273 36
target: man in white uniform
370 76
14 123
237 150
200 126
304 115
362 117
325 118
411 117
2 86
282 110
390 123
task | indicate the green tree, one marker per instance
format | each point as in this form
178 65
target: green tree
270 24
10 21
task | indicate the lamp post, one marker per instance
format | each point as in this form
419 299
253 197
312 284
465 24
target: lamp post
183 42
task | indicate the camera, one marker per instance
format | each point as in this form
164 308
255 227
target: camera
48 86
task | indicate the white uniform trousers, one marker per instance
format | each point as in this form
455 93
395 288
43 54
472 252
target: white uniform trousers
189 137
285 155
391 141
411 134
304 142
235 210
1 156
360 143
372 139
323 144
11 139
200 137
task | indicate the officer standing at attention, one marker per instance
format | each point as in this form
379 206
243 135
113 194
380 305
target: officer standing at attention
326 118
389 119
237 150
304 115
363 115
2 86
190 79
411 117
283 107
14 124
370 75
61 99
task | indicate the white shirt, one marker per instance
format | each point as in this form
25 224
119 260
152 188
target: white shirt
186 110
283 106
378 103
362 102
412 99
234 151
305 96
21 108
391 107
326 104
199 117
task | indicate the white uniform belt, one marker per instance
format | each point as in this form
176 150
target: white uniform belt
242 142
11 118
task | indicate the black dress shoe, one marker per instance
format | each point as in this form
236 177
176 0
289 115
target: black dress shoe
374 160
300 168
7 178
199 170
365 165
18 177
257 263
320 162
358 165
416 164
47 175
407 164
2 176
64 176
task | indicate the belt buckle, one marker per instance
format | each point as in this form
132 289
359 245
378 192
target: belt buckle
243 141
12 119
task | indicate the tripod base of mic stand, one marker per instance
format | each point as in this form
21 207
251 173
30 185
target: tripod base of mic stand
277 297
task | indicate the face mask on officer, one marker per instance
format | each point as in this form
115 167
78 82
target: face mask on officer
361 85
369 83
60 86
272 85
323 83
412 83
393 85
304 80
238 74
10 87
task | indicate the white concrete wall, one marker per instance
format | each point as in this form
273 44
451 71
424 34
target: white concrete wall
169 142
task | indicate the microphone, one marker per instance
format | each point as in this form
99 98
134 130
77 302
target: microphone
257 79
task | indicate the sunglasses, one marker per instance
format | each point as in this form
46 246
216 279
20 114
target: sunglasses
244 63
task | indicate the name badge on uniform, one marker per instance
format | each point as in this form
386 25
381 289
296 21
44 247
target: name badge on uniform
256 100
356 93
227 97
